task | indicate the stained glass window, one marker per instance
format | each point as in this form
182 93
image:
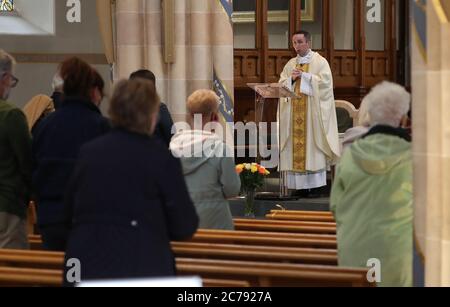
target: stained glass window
6 5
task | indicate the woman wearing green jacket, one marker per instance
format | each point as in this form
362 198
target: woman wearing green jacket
372 193
15 162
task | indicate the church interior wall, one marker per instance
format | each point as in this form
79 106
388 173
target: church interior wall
38 56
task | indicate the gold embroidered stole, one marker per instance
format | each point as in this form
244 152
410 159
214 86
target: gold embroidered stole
299 130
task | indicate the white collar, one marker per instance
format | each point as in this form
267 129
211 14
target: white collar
306 59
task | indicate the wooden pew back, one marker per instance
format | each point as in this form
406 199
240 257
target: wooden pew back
261 274
248 238
264 274
285 226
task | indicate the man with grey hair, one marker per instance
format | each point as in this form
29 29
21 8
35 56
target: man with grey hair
372 194
15 162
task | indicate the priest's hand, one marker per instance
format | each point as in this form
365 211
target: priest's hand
296 74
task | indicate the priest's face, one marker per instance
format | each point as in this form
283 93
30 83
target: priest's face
301 44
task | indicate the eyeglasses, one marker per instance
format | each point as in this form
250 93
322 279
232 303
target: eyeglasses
14 81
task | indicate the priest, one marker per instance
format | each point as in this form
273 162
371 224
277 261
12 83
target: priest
308 133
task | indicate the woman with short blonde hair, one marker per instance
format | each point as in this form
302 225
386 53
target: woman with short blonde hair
203 102
210 175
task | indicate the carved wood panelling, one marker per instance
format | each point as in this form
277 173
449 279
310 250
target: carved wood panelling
377 67
345 69
276 62
355 72
246 68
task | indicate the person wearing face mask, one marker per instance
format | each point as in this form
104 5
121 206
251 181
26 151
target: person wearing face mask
56 143
57 95
98 89
308 133
127 198
15 162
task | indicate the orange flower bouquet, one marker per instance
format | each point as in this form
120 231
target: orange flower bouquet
252 177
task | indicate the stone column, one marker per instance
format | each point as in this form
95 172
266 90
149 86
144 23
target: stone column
431 129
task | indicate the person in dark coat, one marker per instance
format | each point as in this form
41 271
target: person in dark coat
163 128
56 143
127 198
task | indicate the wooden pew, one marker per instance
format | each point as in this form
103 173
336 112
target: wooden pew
35 242
34 237
255 253
292 217
285 226
260 274
264 274
266 238
31 259
284 215
299 212
265 221
303 212
29 277
248 238
194 250
223 283
217 273
26 277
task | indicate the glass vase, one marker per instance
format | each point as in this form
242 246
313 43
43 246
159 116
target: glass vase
250 203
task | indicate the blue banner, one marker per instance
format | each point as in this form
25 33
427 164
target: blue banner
419 13
226 103
228 7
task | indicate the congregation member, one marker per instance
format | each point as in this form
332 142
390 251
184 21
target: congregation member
127 198
15 162
56 143
210 174
163 129
372 198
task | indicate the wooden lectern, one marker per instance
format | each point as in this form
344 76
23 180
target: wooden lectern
271 93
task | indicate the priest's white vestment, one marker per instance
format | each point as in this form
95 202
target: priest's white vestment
308 131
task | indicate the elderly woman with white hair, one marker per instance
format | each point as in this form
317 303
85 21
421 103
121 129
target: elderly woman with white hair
372 195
